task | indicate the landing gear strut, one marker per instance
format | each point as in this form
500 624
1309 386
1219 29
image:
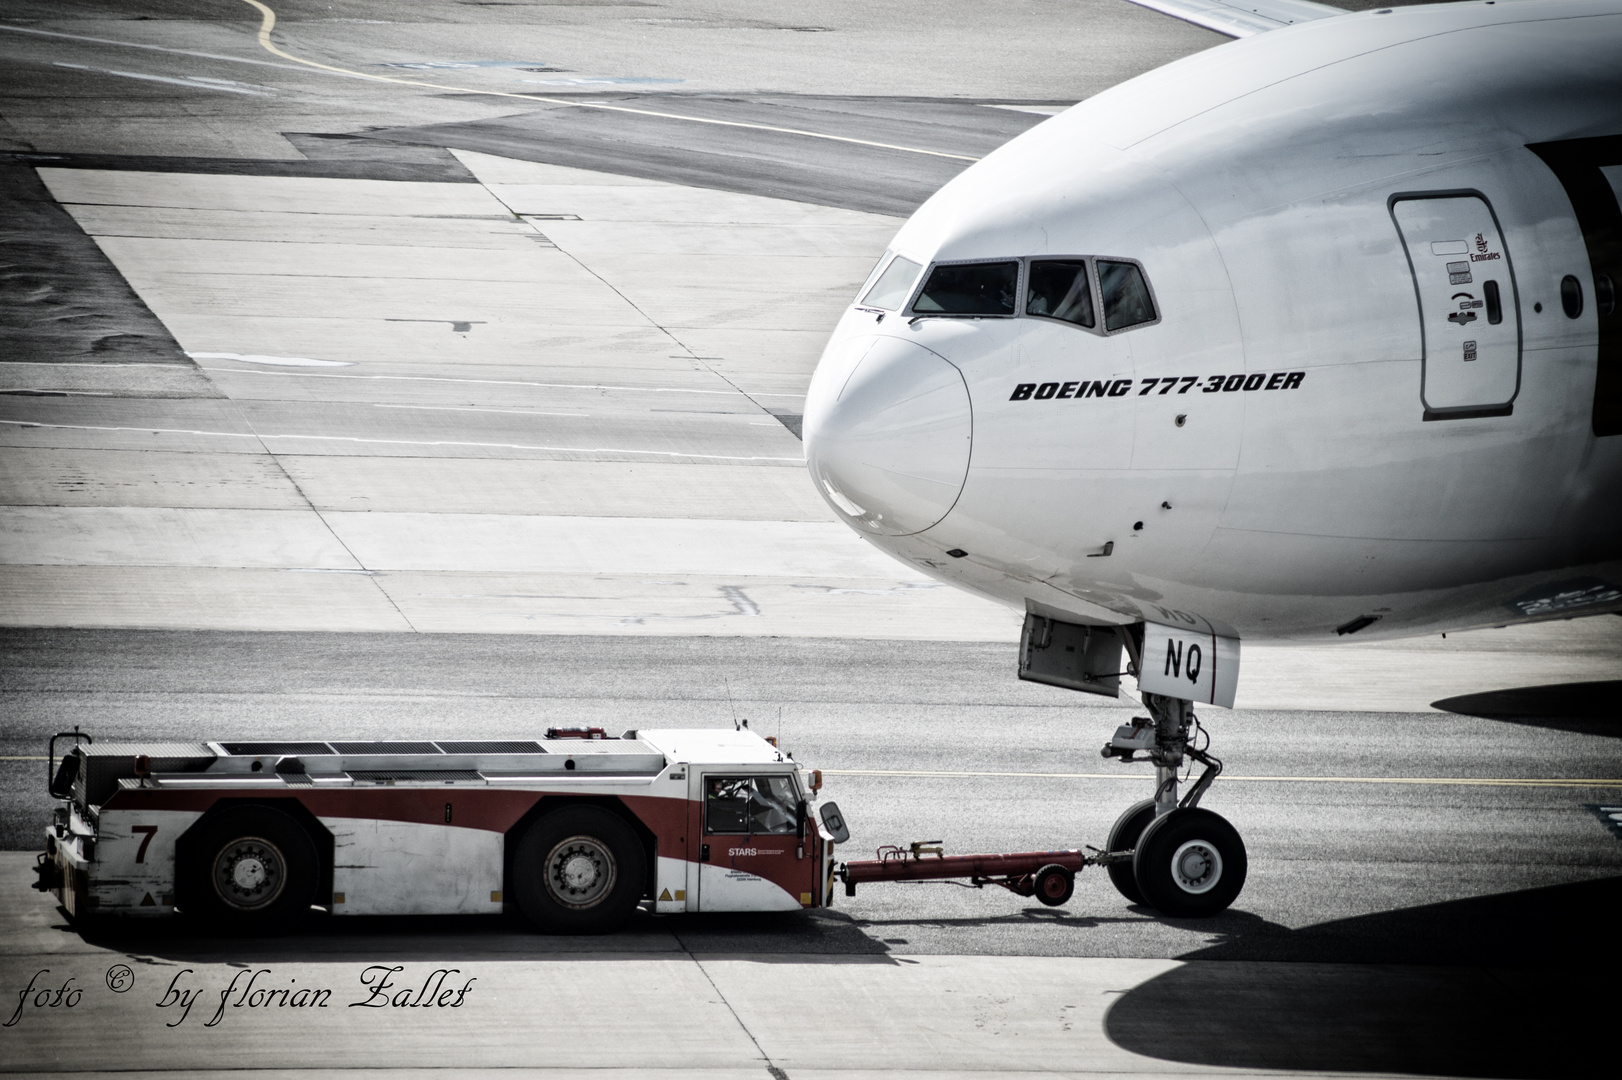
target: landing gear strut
1185 861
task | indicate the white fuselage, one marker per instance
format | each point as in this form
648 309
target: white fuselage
1307 434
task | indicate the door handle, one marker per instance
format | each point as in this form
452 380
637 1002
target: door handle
1461 317
704 853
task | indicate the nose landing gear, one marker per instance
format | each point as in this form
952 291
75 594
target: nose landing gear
1184 861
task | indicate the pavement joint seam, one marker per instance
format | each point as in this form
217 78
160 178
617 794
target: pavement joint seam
661 327
776 1073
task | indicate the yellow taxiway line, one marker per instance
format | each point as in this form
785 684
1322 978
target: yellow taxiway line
1421 781
269 22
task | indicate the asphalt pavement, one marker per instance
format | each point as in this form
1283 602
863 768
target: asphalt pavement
1373 837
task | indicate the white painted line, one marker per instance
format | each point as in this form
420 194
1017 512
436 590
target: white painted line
195 84
470 408
269 24
264 40
280 361
1036 110
410 442
156 48
499 382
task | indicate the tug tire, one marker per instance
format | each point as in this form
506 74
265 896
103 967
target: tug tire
579 870
248 870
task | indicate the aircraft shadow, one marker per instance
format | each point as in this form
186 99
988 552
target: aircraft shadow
1498 986
1590 708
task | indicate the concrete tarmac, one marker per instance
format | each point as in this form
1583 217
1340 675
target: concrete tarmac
444 375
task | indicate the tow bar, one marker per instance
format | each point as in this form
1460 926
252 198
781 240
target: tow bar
1050 876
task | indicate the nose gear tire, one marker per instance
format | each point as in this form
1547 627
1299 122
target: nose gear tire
1190 863
579 870
250 870
1123 836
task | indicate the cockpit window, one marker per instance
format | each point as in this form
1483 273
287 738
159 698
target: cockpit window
1125 295
1059 289
890 291
969 289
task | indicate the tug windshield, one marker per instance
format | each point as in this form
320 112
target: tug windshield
750 804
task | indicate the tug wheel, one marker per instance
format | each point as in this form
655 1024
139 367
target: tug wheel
580 870
1123 836
249 870
1054 884
1190 863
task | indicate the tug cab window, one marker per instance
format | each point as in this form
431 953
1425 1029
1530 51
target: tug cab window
893 287
735 805
1060 289
969 289
1125 294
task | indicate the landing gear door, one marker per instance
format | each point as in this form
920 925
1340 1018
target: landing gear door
1190 662
1468 308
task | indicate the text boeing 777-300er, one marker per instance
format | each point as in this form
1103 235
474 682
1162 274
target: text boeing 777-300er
1309 335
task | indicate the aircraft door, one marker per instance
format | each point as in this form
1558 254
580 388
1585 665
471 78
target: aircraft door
1468 309
1591 172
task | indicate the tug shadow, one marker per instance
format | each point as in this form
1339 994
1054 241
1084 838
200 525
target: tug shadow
1499 986
461 939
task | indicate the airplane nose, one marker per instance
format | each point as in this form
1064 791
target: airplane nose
888 428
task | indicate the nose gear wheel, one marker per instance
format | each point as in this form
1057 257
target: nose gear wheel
1196 867
1123 836
1189 863
1167 851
